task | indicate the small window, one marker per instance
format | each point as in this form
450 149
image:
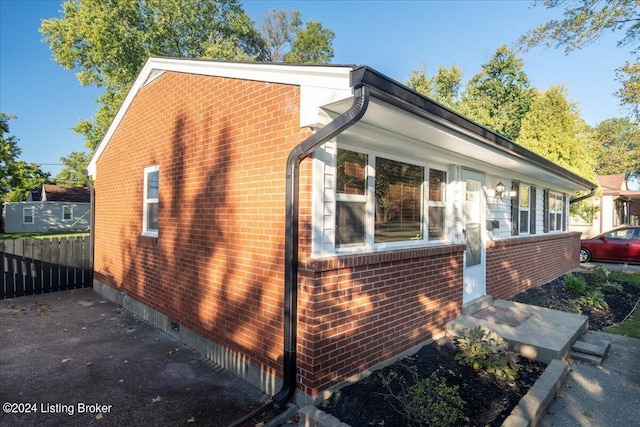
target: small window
351 198
67 213
27 215
151 201
556 210
437 191
524 208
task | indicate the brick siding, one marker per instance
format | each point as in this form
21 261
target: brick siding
515 265
360 310
217 265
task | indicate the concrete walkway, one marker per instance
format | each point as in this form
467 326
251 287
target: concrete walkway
600 396
75 359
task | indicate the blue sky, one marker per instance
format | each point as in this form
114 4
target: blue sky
393 37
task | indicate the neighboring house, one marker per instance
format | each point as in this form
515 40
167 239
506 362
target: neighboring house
49 208
617 206
301 225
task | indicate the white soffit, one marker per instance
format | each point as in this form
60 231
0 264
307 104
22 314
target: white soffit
433 134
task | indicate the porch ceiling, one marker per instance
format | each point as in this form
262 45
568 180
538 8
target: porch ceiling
443 136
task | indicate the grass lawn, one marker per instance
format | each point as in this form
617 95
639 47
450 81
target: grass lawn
50 235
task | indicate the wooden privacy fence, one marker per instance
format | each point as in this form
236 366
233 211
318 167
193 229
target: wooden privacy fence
36 266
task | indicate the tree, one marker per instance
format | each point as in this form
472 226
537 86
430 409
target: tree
444 87
554 129
24 178
71 174
312 45
617 146
500 95
8 152
278 29
108 41
584 22
17 177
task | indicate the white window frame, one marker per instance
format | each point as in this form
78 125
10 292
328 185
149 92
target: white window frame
70 208
24 215
526 209
558 197
369 199
146 231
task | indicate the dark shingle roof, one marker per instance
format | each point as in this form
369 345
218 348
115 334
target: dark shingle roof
61 193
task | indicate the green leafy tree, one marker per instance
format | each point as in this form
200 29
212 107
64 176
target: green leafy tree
586 21
554 129
71 174
17 177
107 42
312 44
24 178
443 87
500 95
617 146
9 150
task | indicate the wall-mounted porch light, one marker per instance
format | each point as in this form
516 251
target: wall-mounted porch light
500 190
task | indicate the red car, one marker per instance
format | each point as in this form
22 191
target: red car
621 244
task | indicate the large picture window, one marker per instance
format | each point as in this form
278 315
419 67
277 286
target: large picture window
398 206
151 201
382 201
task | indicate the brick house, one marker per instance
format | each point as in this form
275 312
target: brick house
301 225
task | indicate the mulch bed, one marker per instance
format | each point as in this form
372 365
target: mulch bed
488 399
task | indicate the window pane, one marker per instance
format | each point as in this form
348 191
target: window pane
436 222
552 222
152 185
352 175
152 216
524 221
437 180
350 223
398 201
524 197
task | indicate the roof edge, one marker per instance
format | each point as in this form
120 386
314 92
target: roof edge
401 96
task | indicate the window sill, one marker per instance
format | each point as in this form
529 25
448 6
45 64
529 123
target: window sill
342 260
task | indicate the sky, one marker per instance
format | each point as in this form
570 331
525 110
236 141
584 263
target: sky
393 37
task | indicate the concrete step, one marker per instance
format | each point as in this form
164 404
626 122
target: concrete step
589 349
584 357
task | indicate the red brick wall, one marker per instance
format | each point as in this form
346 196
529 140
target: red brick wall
216 268
515 265
357 311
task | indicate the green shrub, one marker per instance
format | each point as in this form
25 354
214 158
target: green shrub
426 402
611 287
575 284
600 275
594 299
484 349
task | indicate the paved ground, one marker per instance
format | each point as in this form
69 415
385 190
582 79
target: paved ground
72 358
601 396
631 268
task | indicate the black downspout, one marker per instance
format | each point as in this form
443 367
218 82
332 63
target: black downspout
299 153
586 196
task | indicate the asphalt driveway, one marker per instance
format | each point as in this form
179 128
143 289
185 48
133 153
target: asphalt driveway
73 358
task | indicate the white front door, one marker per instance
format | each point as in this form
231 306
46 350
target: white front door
473 206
